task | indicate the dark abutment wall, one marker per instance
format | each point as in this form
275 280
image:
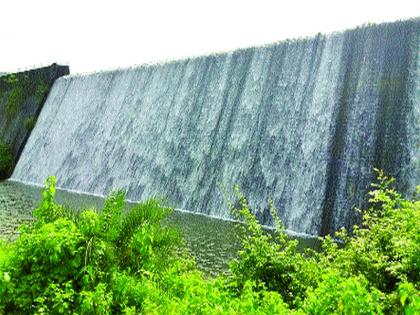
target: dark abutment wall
22 96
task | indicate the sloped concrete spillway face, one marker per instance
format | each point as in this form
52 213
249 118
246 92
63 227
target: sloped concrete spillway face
301 122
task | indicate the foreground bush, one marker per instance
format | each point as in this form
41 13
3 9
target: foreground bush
272 261
66 263
113 262
374 270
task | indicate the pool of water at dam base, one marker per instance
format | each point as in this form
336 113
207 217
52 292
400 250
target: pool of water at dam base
211 241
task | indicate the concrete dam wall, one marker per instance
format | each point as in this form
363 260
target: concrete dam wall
302 122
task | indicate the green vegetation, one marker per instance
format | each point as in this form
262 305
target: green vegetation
14 99
11 79
6 160
116 262
40 92
17 90
15 95
29 123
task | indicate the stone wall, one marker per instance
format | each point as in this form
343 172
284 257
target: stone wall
22 96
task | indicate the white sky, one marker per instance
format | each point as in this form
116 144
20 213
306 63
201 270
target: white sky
93 35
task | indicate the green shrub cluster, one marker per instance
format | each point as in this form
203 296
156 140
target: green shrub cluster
113 262
18 89
14 100
375 270
71 263
40 92
6 160
29 123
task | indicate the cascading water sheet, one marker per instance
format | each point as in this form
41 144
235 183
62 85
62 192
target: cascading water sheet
302 122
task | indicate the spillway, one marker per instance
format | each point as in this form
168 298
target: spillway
302 122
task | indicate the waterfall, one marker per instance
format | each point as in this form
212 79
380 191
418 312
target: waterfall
301 122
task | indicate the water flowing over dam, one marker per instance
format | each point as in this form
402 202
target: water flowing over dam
302 122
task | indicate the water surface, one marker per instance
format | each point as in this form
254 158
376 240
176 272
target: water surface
213 242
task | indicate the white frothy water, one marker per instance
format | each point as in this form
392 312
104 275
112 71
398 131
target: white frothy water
301 122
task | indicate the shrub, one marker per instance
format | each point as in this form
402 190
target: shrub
192 294
409 298
339 295
117 262
6 160
11 79
40 92
271 260
29 123
385 248
67 263
364 272
14 100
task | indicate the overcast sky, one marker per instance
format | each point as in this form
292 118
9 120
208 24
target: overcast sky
92 35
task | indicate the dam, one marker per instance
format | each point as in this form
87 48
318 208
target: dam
301 122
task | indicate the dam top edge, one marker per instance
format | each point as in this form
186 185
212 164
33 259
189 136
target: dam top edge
165 62
34 68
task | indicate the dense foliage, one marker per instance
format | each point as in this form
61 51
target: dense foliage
40 92
29 123
116 262
18 89
14 99
6 160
